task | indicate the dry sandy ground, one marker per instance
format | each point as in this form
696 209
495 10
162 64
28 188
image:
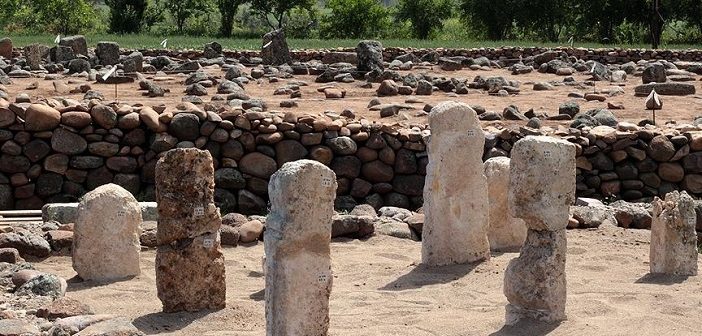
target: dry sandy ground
682 109
379 289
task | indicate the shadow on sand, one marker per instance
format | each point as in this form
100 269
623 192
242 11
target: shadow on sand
157 323
76 284
527 327
661 279
423 275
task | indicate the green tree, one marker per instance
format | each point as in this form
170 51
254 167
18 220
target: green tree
426 16
530 18
182 10
228 9
64 16
493 18
354 19
126 16
278 10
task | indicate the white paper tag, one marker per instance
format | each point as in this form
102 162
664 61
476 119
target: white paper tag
208 243
121 213
198 211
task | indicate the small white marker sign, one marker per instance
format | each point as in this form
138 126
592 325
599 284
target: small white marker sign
199 211
57 39
164 43
109 73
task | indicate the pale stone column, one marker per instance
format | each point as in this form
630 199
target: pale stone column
542 188
189 260
673 236
106 234
505 233
455 193
297 237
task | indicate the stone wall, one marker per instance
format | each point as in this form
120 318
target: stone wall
57 154
603 55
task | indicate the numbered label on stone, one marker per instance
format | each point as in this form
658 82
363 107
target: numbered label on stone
207 243
470 133
121 213
198 211
322 278
326 182
547 154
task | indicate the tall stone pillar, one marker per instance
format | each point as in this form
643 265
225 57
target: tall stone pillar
673 236
505 233
542 188
455 192
297 237
189 261
106 243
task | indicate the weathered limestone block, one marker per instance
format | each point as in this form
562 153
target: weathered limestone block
189 262
185 195
505 232
190 275
535 282
106 235
542 182
542 187
455 193
673 237
297 237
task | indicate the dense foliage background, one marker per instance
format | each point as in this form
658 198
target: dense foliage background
599 21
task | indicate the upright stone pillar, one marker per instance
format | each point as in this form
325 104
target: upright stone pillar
455 192
542 188
275 49
297 237
106 243
34 53
505 233
370 56
673 236
189 261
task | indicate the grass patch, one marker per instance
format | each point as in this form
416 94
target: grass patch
197 42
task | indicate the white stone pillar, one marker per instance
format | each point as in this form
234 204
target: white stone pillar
455 192
297 237
542 188
106 243
505 233
673 236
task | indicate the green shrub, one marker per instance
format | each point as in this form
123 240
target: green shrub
354 19
426 16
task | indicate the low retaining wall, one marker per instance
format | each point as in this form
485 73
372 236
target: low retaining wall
603 55
80 149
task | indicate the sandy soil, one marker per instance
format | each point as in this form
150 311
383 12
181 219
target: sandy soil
381 289
682 109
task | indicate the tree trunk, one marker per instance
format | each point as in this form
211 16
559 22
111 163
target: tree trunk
656 25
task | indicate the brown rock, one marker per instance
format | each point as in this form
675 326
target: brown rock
257 164
64 307
671 172
661 149
10 255
76 119
250 231
40 117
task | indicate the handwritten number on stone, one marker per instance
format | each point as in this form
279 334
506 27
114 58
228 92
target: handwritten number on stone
326 182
